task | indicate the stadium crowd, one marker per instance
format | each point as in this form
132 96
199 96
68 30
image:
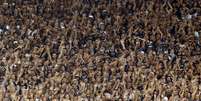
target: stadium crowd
100 50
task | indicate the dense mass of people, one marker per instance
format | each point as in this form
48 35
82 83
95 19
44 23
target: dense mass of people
85 50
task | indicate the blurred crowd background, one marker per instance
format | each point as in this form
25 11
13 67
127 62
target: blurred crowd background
100 50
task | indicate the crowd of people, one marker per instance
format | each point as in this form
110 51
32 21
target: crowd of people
94 50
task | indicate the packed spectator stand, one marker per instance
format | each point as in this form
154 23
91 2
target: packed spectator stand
100 50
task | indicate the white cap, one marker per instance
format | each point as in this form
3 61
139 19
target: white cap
108 95
62 25
19 62
56 65
189 16
142 52
4 58
37 99
182 46
91 16
18 26
15 42
7 27
166 52
165 98
104 10
146 11
27 55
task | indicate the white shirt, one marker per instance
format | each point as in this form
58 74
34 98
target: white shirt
196 34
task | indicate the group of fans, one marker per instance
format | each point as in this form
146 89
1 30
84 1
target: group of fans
94 50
